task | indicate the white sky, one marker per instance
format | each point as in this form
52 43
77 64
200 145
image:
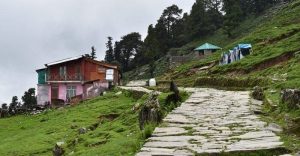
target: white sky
35 32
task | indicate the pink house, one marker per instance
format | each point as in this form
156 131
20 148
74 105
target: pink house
74 78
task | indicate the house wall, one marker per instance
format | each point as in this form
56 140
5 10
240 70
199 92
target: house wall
207 52
43 94
89 70
62 91
92 72
94 89
73 68
42 76
95 71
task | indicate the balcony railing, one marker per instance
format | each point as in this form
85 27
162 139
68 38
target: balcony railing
74 77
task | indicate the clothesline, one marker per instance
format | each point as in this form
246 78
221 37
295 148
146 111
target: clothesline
236 54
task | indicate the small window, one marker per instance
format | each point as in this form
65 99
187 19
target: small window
62 71
71 91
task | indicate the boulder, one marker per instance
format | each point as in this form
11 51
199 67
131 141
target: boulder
258 93
150 111
137 83
82 130
118 93
274 128
291 97
58 150
175 97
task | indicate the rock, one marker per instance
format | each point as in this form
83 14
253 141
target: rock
118 93
258 93
297 54
73 126
58 150
60 143
291 97
71 153
136 107
60 108
298 153
258 112
175 97
137 83
150 111
274 128
82 130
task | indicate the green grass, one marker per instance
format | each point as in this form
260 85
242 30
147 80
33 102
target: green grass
271 35
37 135
113 128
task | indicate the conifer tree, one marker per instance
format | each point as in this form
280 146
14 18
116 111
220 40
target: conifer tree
13 105
109 54
29 99
93 53
233 15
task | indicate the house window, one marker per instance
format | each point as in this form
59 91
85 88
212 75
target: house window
77 74
71 91
62 71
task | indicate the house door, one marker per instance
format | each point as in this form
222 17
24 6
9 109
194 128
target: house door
54 92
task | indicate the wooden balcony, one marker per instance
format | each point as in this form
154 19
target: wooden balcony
74 77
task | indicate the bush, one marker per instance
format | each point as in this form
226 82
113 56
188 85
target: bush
231 82
148 130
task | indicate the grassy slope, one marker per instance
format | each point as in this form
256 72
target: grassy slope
37 135
275 34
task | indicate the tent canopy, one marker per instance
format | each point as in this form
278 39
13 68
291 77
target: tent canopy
244 46
207 46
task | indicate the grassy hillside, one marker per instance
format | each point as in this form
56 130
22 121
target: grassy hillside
112 127
115 129
275 38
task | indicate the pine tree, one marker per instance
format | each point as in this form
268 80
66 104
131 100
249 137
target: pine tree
29 99
131 45
117 52
93 53
109 56
197 22
13 105
233 15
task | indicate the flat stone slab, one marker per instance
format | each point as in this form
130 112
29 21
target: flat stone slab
163 152
212 121
168 131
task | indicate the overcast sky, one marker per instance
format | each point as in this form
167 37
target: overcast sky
35 32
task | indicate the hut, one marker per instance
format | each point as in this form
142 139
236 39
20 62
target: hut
205 50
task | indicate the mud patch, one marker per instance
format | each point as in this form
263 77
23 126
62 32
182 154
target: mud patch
273 61
109 117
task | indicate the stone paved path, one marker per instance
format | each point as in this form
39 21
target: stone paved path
211 121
